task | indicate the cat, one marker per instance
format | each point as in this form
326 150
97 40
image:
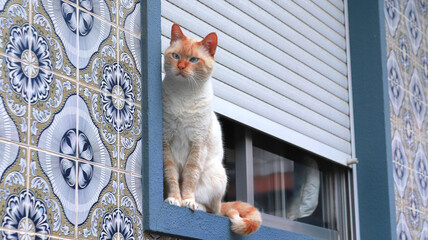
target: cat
194 175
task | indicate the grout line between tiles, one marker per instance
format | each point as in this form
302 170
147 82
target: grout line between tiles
35 148
33 233
76 196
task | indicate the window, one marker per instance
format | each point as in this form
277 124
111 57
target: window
295 190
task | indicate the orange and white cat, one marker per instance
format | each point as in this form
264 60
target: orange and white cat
192 141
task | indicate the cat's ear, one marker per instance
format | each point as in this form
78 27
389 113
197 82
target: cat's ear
210 43
176 33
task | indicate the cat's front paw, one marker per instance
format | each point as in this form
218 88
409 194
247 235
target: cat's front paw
173 201
191 204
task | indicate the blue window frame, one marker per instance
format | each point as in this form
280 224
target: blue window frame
371 111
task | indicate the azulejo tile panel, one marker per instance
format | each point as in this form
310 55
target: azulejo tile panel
407 32
70 106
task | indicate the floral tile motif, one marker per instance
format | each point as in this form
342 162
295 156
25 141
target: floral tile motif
15 97
417 98
51 119
404 53
401 172
13 188
96 124
130 152
413 24
97 46
413 209
403 231
102 218
92 181
97 55
129 15
420 165
105 9
52 193
51 23
130 60
396 84
131 206
392 15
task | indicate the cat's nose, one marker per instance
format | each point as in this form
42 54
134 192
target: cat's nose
181 65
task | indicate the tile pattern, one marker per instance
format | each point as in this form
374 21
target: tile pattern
406 24
70 120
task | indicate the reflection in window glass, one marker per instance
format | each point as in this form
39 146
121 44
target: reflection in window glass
286 188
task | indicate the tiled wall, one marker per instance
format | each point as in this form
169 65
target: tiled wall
406 23
70 119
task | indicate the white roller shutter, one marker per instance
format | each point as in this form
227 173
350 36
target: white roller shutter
281 66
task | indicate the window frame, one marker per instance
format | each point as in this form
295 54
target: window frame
367 44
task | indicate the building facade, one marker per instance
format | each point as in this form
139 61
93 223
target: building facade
330 81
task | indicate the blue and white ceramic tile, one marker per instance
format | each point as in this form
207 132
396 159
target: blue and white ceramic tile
401 172
129 16
15 97
392 15
395 82
130 146
97 56
130 60
52 194
51 119
420 166
131 204
417 98
14 201
101 219
56 43
413 24
403 231
92 181
97 123
104 9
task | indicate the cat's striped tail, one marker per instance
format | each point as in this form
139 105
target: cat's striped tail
245 218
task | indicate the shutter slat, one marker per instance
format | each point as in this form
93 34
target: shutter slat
321 15
329 8
338 3
299 26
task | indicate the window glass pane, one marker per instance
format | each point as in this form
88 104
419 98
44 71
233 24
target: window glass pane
228 129
288 182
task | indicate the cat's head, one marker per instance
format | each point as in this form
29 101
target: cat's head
190 59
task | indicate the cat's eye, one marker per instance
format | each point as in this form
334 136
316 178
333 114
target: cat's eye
194 60
175 56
